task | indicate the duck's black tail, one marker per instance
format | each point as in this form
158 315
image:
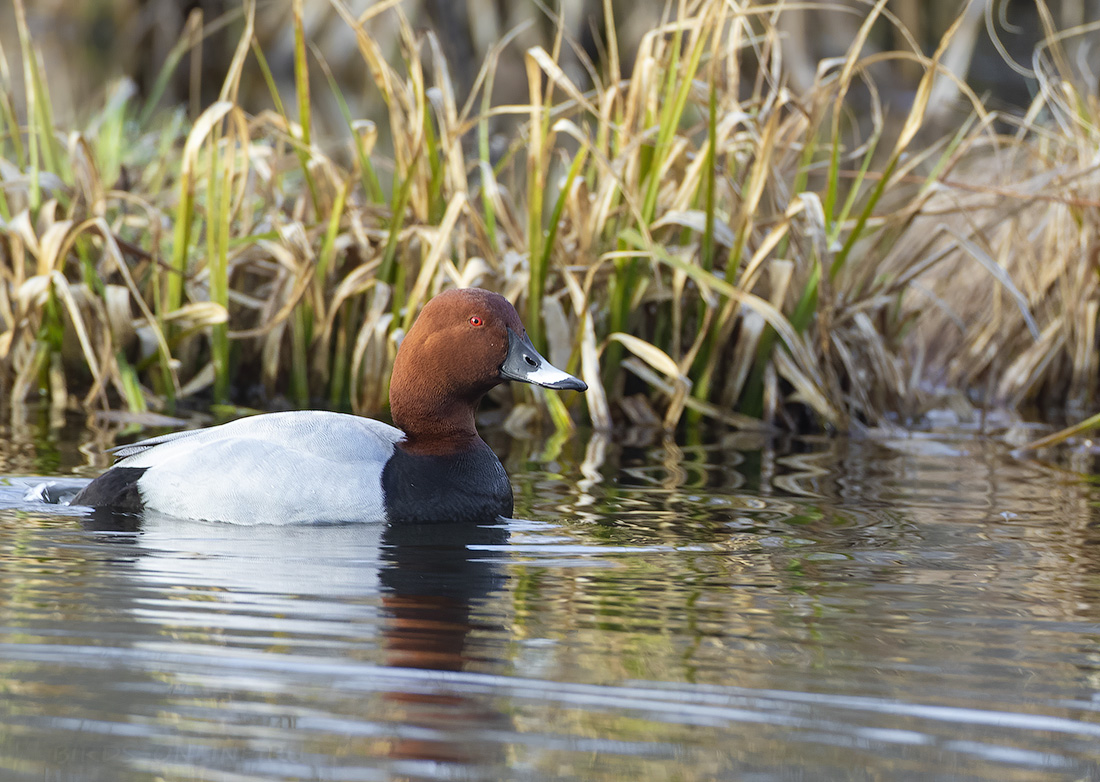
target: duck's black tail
116 489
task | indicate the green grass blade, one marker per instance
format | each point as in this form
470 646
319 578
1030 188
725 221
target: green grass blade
371 186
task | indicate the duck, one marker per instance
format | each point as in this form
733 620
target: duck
319 466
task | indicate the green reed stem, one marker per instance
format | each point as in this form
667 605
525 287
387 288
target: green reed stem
218 216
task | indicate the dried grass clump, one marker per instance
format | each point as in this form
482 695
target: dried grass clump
691 236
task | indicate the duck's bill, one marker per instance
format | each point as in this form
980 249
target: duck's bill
523 363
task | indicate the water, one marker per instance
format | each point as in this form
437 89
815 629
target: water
829 610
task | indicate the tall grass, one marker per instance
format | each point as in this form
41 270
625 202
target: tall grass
691 236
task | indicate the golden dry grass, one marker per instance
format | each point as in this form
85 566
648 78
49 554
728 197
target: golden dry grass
693 236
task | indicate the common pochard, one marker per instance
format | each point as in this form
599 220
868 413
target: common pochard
316 466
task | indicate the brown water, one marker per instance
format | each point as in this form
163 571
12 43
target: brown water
910 609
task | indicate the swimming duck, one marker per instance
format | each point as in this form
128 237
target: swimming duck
318 466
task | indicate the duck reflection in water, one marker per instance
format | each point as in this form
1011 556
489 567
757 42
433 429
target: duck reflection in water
437 576
422 585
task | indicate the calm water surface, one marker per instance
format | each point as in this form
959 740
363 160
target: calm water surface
902 609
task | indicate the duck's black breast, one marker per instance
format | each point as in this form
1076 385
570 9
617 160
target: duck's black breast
469 486
116 489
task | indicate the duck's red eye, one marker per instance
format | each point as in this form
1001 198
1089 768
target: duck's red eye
476 321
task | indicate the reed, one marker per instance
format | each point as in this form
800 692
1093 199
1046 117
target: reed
694 236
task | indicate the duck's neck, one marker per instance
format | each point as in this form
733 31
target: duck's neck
434 422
